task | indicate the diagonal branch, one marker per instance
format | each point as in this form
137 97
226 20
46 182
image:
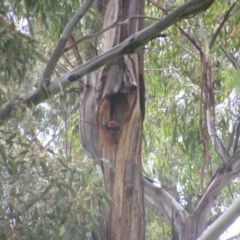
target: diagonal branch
223 222
116 23
44 59
230 58
197 7
62 42
237 137
225 18
191 39
210 110
221 178
130 45
165 206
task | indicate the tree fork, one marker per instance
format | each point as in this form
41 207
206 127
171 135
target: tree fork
116 92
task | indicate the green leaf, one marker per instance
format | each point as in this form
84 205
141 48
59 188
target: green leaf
3 153
30 203
237 81
66 186
47 189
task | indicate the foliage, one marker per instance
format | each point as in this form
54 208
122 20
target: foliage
49 186
44 193
172 150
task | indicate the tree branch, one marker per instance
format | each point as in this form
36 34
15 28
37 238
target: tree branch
221 178
62 42
230 58
223 222
107 28
165 206
225 18
130 45
236 143
75 51
44 59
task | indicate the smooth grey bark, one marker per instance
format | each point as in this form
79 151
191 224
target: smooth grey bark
223 222
58 51
116 94
128 46
165 206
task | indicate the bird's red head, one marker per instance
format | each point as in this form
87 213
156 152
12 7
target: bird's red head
112 125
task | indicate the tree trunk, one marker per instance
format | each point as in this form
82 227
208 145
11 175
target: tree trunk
119 96
116 92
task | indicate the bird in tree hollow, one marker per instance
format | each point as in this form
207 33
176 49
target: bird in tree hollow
111 125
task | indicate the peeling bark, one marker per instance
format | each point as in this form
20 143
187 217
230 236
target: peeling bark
119 99
117 92
130 45
87 120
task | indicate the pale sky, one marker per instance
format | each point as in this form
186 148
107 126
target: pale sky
232 231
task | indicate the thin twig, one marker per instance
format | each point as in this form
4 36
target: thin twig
116 23
185 49
62 42
230 191
179 28
225 18
201 131
201 135
75 51
236 143
45 60
45 125
68 62
229 58
9 109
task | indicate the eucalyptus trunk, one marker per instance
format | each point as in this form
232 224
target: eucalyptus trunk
117 92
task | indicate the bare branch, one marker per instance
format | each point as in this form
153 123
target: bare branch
75 51
201 134
234 237
44 59
197 7
130 45
107 28
231 136
180 29
221 178
223 222
230 58
237 137
165 206
210 110
62 42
